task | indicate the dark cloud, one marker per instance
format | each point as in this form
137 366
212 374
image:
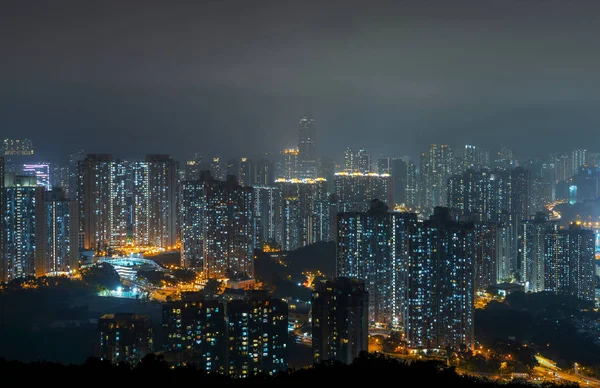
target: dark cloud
233 77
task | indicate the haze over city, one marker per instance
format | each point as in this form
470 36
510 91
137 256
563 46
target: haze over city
233 77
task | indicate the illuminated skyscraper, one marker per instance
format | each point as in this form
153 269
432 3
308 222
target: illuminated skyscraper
532 250
440 294
485 255
41 172
102 204
436 168
22 214
192 223
262 173
307 148
74 159
58 237
139 206
355 191
474 158
258 334
246 172
384 165
196 332
268 207
373 246
290 163
230 229
578 159
59 177
340 320
162 200
216 169
569 262
305 212
357 161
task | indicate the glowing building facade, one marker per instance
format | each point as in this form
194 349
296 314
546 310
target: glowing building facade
440 297
23 210
373 246
355 190
41 171
305 212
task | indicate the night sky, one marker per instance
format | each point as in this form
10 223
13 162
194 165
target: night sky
233 77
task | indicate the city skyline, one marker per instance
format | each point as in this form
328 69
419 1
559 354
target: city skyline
390 77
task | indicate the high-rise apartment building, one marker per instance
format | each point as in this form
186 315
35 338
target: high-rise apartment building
162 201
355 191
440 295
532 250
578 159
196 333
139 203
307 148
474 158
373 246
102 202
21 225
267 211
436 168
485 264
257 330
569 262
74 158
192 223
290 163
229 228
216 170
124 338
305 212
57 237
340 320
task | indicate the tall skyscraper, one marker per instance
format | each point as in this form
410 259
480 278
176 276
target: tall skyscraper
504 159
23 198
57 237
230 229
532 250
59 177
485 255
268 207
372 246
355 191
440 294
520 194
196 332
474 158
263 173
569 262
192 223
102 203
384 165
162 201
257 333
506 252
216 169
307 148
124 338
41 172
436 168
357 161
578 159
340 320
139 207
305 212
74 159
246 172
290 163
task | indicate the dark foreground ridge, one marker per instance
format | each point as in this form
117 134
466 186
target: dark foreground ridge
367 369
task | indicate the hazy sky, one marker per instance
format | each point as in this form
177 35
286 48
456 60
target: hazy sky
233 77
